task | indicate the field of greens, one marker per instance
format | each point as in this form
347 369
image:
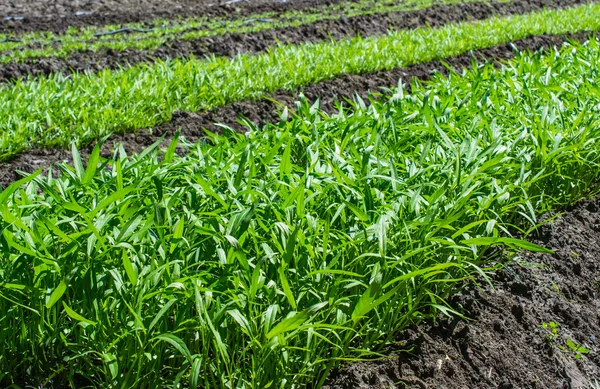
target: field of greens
57 110
268 258
141 36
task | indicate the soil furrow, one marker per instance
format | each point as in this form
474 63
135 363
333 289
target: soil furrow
265 110
58 16
505 345
232 44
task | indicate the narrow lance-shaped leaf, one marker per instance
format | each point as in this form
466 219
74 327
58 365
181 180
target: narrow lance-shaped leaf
56 294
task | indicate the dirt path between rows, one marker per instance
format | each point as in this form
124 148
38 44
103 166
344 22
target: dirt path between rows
505 345
18 16
232 44
262 111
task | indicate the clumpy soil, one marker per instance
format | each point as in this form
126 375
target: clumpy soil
232 44
330 93
19 16
504 345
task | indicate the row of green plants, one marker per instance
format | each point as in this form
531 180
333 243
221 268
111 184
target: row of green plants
264 259
47 44
203 22
56 110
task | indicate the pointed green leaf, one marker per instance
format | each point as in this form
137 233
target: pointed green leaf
288 324
56 294
172 147
286 288
517 243
177 343
129 270
74 315
77 161
161 313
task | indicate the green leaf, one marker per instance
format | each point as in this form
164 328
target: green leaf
255 281
220 345
368 200
290 246
177 343
468 228
269 318
335 271
286 163
421 272
77 161
370 301
241 169
178 234
288 324
6 193
161 313
56 294
13 286
151 148
365 303
362 215
129 270
113 365
196 369
209 191
54 228
286 287
92 164
74 315
112 199
172 148
241 320
512 242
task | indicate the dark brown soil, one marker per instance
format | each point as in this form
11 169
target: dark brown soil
19 16
330 92
232 44
505 346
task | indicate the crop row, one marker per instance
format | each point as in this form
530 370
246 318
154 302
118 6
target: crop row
265 258
56 110
139 37
203 22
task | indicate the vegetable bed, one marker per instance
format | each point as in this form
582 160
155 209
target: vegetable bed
264 259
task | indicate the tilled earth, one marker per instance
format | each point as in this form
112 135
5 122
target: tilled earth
232 44
505 345
59 15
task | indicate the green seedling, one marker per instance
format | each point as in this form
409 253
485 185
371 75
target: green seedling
577 349
552 328
571 347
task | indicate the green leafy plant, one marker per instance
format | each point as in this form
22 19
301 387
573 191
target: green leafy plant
263 259
141 36
552 328
56 110
577 349
571 347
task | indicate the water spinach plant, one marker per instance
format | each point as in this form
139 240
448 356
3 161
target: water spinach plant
261 260
53 111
